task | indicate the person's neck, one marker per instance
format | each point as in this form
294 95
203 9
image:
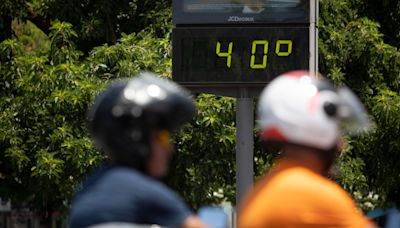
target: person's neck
305 157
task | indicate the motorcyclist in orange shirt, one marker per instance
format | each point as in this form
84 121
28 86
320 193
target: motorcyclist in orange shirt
304 116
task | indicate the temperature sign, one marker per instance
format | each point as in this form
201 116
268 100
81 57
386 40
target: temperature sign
232 55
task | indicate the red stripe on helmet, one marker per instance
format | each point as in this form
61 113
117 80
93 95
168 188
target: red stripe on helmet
273 133
297 73
313 103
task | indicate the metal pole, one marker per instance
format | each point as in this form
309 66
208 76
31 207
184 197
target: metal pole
314 8
244 146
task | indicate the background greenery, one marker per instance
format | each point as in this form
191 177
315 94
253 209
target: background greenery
55 56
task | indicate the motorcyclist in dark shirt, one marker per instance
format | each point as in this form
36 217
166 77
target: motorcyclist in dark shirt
131 121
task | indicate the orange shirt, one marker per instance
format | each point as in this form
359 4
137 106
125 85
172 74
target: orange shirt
294 196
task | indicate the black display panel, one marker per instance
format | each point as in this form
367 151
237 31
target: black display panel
240 11
227 55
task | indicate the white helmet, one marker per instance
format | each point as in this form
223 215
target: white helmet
298 108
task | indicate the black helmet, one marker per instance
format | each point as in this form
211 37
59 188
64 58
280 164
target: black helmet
123 116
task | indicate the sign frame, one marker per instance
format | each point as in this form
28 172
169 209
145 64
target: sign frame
200 12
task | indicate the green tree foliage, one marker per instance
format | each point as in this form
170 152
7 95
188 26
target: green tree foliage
103 21
353 52
387 14
95 21
32 38
204 168
9 10
43 139
46 149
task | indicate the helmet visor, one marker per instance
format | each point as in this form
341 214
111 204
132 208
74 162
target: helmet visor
352 113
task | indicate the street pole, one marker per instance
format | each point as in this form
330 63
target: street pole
244 146
314 10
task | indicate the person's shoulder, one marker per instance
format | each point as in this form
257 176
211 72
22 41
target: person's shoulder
285 194
138 179
304 181
309 184
120 173
129 176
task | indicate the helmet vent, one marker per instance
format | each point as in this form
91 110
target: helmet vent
330 109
